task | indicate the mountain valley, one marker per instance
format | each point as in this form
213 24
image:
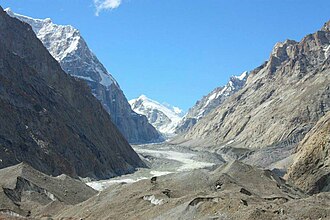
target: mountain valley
73 147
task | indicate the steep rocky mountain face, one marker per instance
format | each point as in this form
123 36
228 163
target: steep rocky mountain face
69 48
280 103
210 102
164 118
311 168
49 119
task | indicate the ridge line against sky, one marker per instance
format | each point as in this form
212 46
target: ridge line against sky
177 51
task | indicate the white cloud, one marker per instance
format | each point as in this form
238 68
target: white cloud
101 5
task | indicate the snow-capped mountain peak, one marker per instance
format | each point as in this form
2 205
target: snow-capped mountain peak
242 76
163 117
177 110
67 46
211 101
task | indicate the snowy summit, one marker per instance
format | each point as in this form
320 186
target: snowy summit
67 46
163 117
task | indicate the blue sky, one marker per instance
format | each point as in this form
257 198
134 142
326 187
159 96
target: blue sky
176 51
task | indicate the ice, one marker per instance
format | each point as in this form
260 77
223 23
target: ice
159 173
103 184
186 162
106 79
185 158
85 78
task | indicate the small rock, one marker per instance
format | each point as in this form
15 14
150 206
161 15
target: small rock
218 186
246 192
244 202
153 180
167 192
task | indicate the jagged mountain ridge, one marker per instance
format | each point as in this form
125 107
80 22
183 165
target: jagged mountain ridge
210 102
68 47
163 117
49 119
281 101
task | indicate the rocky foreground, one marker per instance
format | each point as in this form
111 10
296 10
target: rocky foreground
230 191
26 192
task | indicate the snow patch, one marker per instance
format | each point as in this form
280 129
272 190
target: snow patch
159 173
106 79
153 200
87 78
177 110
50 195
242 76
327 52
11 213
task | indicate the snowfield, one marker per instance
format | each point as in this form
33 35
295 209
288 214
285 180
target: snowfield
163 117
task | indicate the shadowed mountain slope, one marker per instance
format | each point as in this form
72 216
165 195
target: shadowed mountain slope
49 119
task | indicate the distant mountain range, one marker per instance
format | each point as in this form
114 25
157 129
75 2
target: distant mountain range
163 117
68 47
171 121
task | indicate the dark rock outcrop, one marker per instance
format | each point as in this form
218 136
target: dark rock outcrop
49 119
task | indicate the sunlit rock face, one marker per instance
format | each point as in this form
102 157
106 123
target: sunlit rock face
280 102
